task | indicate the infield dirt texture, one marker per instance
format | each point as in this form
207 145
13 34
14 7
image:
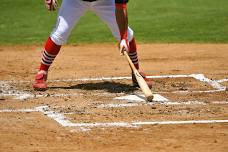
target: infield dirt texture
90 104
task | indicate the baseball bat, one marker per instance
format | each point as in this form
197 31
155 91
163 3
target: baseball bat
142 83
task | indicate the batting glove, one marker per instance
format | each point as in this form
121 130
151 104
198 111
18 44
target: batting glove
51 5
123 46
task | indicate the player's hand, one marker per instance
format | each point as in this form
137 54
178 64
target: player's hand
51 5
123 46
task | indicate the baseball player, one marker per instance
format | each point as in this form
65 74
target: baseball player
112 12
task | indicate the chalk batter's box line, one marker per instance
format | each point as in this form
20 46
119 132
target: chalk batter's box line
167 103
222 80
200 77
64 122
120 78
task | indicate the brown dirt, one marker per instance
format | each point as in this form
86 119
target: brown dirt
33 131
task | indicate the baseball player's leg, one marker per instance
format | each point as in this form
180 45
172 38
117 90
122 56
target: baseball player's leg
106 11
69 14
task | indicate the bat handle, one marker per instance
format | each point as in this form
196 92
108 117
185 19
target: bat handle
129 61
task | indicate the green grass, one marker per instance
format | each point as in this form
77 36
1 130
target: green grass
156 21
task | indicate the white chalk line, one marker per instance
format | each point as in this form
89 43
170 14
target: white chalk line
141 97
64 122
138 124
169 103
8 90
21 95
108 78
58 117
119 78
222 80
111 105
17 110
196 91
199 77
101 79
219 102
27 95
213 83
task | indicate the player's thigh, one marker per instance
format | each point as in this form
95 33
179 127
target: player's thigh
69 14
105 9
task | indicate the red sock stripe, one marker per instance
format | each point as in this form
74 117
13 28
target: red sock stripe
134 59
51 47
133 53
46 62
132 46
47 58
51 51
49 55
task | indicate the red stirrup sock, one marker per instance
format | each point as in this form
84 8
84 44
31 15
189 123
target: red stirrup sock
49 54
133 53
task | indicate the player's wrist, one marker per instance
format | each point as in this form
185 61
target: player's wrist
123 35
121 5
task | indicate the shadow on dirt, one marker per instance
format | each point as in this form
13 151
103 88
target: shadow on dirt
112 87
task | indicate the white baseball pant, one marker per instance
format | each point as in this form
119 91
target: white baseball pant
71 11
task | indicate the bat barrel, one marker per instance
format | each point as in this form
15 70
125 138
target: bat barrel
142 83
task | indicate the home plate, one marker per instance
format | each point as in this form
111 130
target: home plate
136 97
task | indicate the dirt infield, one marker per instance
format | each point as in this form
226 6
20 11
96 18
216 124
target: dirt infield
91 106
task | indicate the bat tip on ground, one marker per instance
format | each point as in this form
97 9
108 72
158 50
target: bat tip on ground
150 98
